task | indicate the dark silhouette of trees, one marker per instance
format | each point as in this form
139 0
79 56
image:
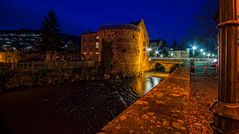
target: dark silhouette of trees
175 45
50 33
205 32
182 45
164 48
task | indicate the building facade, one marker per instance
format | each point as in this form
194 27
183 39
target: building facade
124 46
90 46
179 53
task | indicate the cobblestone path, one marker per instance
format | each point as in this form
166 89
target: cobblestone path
203 93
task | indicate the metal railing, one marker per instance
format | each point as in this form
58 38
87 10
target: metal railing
33 65
205 69
174 58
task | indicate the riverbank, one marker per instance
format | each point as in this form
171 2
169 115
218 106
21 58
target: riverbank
80 107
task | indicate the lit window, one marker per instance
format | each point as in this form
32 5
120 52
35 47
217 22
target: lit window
84 52
96 52
91 53
97 45
97 37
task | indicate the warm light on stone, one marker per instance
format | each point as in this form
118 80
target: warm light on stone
8 57
129 44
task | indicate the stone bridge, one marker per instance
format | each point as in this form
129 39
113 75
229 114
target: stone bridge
167 63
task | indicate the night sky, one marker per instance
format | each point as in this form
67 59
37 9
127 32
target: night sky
167 19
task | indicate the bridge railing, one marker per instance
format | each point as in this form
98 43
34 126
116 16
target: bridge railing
175 58
213 69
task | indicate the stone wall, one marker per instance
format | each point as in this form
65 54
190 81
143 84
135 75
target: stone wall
129 43
162 110
125 47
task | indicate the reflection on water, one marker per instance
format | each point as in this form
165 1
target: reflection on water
145 83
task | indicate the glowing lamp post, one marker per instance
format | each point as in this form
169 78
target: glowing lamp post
194 49
201 51
149 49
203 54
171 54
208 55
156 52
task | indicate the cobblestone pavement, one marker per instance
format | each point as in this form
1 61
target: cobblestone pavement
203 93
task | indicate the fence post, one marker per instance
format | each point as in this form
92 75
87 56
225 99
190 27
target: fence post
27 65
33 66
204 68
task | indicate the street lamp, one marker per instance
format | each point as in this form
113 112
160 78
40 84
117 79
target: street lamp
201 51
194 48
156 52
171 54
204 53
208 55
149 49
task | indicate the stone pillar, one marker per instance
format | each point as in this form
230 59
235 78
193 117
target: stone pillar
226 108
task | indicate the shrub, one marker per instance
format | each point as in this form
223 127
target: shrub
5 75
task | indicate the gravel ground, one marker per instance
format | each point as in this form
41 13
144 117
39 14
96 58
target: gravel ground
75 108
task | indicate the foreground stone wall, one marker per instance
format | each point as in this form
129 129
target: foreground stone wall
163 110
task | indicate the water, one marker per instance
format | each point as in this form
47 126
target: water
144 84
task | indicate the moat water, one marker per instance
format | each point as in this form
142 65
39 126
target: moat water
80 107
145 83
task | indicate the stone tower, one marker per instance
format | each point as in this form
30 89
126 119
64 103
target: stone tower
128 43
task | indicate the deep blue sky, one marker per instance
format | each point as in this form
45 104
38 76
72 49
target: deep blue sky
167 19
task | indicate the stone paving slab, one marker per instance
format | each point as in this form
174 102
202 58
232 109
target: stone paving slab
162 110
203 94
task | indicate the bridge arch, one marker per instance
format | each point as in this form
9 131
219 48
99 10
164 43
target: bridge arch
166 65
159 67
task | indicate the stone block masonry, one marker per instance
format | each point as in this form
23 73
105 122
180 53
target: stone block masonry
121 48
163 110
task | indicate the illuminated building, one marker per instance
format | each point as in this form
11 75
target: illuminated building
90 46
128 47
